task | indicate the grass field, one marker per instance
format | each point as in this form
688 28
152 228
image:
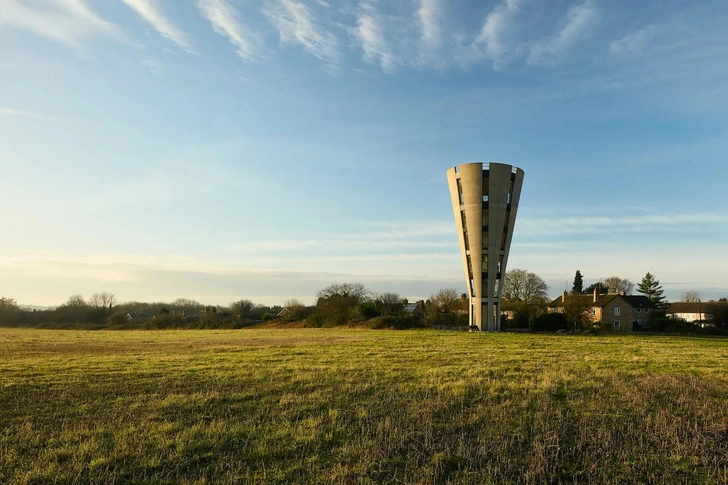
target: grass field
359 406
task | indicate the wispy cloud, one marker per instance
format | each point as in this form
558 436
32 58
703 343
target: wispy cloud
578 20
226 22
415 236
609 225
429 20
5 111
151 13
371 37
632 43
68 22
296 25
492 42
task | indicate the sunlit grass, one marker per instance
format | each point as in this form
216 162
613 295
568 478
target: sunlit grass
358 406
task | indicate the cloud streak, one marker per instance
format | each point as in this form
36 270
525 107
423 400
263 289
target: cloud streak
296 25
578 20
68 22
5 111
492 41
606 224
150 12
371 38
429 19
226 22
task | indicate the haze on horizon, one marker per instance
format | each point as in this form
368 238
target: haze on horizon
221 149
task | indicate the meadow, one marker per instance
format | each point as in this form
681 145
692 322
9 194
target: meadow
360 406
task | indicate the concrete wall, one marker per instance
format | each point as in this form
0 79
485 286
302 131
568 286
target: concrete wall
485 202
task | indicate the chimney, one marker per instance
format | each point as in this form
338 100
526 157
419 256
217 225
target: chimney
405 301
563 297
596 294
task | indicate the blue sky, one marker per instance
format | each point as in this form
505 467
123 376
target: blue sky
263 149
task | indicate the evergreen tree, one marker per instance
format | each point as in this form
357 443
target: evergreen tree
578 287
651 288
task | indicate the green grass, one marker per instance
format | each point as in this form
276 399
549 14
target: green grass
360 406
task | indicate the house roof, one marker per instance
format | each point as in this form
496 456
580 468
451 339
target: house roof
635 301
693 306
638 301
586 300
410 307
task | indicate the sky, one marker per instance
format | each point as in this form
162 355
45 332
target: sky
264 149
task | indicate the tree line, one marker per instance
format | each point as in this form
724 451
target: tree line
102 310
525 301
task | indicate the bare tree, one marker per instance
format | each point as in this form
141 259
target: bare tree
9 310
525 286
615 284
75 301
8 305
105 301
690 296
445 300
186 305
292 303
388 303
243 307
354 292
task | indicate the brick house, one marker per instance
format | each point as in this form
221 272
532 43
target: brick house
612 312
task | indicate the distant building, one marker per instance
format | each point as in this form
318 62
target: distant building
416 309
615 311
694 311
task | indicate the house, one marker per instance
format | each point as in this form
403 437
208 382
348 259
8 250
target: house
415 309
283 313
615 311
694 311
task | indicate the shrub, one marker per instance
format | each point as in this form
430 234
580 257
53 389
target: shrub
679 326
397 322
549 322
450 319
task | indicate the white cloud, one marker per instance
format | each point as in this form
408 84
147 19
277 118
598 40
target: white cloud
608 225
369 33
68 22
296 25
372 235
5 111
632 43
578 20
493 39
50 278
150 12
429 19
226 22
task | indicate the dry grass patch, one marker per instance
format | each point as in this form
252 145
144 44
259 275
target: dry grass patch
357 406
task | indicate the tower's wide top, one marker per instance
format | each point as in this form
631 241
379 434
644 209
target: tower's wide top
484 166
